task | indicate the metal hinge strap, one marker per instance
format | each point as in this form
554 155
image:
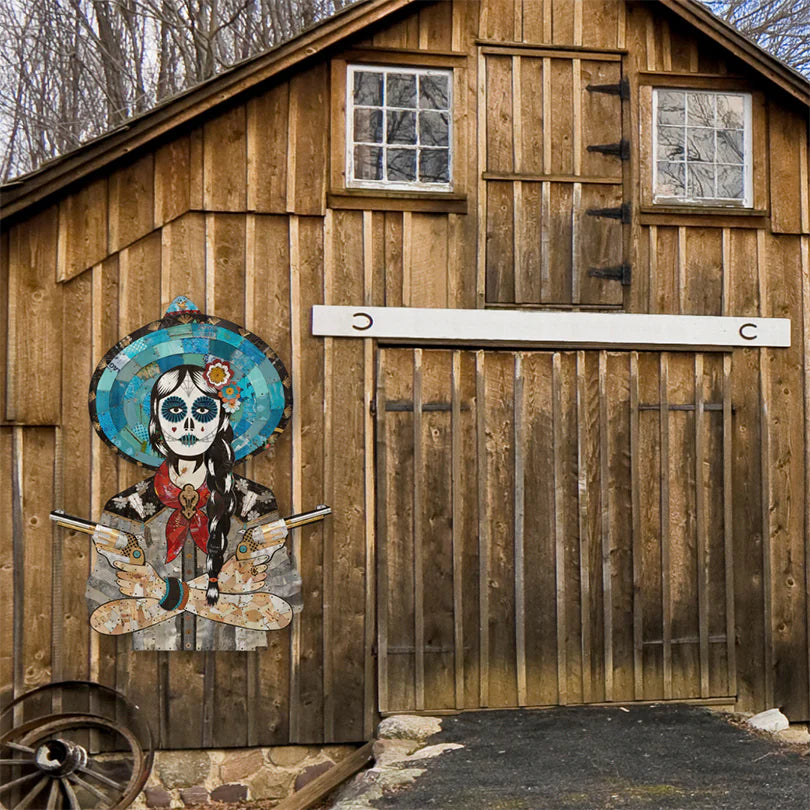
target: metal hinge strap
622 213
621 272
621 149
622 89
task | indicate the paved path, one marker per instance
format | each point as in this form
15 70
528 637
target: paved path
589 758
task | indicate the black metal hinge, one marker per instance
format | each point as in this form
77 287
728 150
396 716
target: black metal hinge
622 213
622 89
620 149
621 272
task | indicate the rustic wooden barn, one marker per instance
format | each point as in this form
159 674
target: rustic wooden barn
512 526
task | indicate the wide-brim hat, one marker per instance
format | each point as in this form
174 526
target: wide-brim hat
253 384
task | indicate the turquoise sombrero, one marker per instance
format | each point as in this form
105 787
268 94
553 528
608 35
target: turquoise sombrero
121 386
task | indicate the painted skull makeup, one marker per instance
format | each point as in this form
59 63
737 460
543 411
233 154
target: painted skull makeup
188 419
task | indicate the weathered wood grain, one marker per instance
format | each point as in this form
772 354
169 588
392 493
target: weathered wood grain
33 361
131 201
225 161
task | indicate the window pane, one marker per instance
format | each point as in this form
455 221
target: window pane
670 143
730 111
671 105
671 179
700 145
401 164
367 162
700 109
434 92
434 166
730 182
729 146
401 127
434 128
368 125
400 90
700 181
368 88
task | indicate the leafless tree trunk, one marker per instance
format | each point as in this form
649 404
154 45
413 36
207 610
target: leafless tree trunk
781 27
72 69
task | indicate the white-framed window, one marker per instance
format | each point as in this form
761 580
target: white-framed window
399 127
702 147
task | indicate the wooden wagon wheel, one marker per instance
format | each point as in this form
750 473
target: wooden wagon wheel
73 760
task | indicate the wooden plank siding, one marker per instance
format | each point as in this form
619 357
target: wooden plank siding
509 528
563 576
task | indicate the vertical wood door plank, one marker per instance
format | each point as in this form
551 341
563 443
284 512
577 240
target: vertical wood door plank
499 461
500 243
563 22
539 499
383 535
398 611
418 571
701 529
457 536
483 528
499 113
666 566
607 573
600 23
529 98
33 371
636 484
436 537
683 529
519 441
728 527
652 498
559 530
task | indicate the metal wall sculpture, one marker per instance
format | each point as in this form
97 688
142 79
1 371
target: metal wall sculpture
192 557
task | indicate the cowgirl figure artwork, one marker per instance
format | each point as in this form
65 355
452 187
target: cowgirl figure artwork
195 559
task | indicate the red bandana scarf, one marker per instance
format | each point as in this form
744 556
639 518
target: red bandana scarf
188 512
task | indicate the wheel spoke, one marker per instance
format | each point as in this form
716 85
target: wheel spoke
15 782
55 796
101 778
72 800
18 747
87 786
32 794
17 762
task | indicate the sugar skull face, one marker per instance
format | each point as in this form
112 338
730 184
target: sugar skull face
188 419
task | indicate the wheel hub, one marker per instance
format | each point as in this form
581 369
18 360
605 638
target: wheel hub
59 757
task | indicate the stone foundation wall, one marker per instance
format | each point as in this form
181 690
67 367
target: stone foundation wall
184 778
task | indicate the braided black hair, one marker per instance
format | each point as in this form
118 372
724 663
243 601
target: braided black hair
218 461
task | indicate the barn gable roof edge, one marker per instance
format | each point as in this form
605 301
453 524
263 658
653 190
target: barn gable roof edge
181 109
54 176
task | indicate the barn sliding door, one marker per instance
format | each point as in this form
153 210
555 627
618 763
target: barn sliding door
553 527
553 161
